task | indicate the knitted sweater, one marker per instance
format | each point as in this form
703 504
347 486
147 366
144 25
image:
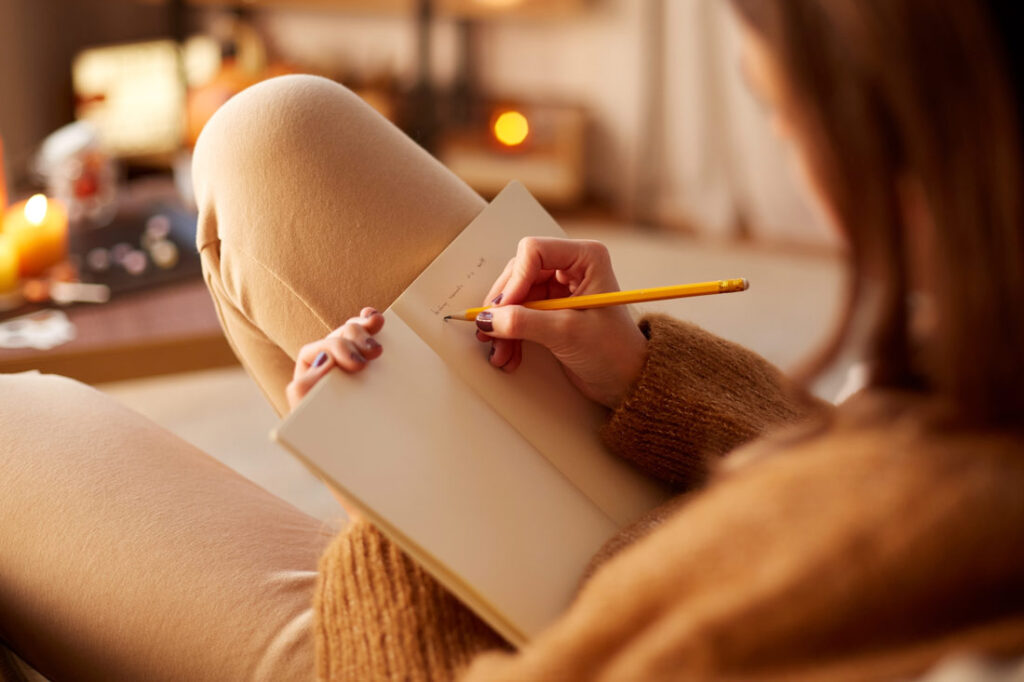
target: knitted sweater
867 546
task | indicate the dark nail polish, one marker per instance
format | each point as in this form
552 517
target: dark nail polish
497 299
358 357
484 321
371 344
321 358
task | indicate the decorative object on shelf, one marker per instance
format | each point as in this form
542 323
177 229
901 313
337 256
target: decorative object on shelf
134 96
146 246
541 145
141 249
79 173
38 228
40 330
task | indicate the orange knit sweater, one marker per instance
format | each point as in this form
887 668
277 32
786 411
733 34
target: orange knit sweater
866 547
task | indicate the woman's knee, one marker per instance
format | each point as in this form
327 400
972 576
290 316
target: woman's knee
311 206
264 155
266 137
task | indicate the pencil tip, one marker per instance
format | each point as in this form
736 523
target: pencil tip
447 317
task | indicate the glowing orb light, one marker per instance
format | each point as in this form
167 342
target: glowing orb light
511 128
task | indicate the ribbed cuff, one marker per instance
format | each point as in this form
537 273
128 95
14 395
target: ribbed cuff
697 397
380 616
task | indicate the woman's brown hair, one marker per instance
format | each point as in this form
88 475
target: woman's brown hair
895 93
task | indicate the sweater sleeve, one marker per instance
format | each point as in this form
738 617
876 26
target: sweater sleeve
697 398
379 616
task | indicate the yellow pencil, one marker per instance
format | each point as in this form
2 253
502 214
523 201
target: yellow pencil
724 286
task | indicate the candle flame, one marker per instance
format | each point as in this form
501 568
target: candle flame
35 209
511 128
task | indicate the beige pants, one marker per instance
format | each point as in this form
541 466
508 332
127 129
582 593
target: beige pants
124 552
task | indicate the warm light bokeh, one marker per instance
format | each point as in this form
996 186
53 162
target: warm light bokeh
35 209
38 230
499 3
8 266
511 128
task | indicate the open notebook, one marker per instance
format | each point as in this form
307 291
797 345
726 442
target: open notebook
497 484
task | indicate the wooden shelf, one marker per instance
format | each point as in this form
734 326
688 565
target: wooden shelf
161 331
471 9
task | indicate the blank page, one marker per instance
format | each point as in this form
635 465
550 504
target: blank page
537 399
451 482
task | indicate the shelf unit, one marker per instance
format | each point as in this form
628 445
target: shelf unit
460 9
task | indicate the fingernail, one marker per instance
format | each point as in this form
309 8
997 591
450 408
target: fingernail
371 344
497 299
358 357
373 311
321 358
484 321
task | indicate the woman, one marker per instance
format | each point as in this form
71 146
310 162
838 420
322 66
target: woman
865 542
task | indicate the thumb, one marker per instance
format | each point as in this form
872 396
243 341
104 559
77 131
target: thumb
546 327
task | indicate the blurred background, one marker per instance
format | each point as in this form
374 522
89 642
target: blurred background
628 119
636 108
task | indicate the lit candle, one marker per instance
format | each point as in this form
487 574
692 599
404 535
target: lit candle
39 230
8 265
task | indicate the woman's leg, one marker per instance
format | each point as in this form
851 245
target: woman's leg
311 207
126 554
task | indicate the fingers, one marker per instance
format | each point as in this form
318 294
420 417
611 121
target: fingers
499 284
548 289
502 351
374 320
301 384
544 290
361 339
551 328
369 320
344 352
516 359
316 359
586 264
543 268
349 347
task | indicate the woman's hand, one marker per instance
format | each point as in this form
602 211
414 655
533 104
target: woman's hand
602 350
350 347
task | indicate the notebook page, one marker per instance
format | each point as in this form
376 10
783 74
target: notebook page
450 482
537 399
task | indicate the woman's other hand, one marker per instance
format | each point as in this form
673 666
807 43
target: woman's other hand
602 350
350 347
